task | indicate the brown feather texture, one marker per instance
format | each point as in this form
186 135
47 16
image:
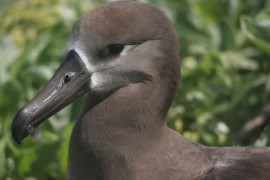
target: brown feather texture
124 56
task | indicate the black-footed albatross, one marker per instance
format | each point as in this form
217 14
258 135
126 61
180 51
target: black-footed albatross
124 57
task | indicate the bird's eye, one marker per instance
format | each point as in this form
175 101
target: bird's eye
115 49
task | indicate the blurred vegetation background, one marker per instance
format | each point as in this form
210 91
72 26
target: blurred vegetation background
224 94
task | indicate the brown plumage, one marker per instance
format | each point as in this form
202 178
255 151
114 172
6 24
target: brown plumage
124 56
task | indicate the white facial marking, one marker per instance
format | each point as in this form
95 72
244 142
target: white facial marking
221 165
96 80
77 47
83 58
127 48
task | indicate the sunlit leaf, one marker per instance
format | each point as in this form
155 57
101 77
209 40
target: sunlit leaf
256 33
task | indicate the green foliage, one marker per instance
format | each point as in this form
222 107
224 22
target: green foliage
224 67
34 39
225 51
225 74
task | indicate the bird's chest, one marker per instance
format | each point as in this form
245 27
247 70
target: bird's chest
96 154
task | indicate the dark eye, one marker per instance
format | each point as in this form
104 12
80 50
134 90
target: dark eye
115 49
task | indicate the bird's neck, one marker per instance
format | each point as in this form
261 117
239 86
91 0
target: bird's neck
110 131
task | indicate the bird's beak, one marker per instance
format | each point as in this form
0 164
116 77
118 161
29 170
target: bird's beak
70 81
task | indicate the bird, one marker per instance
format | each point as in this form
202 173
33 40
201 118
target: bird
124 59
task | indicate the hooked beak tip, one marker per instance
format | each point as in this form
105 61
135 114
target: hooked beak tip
20 127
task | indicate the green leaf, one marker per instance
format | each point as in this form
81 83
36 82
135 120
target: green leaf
256 33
